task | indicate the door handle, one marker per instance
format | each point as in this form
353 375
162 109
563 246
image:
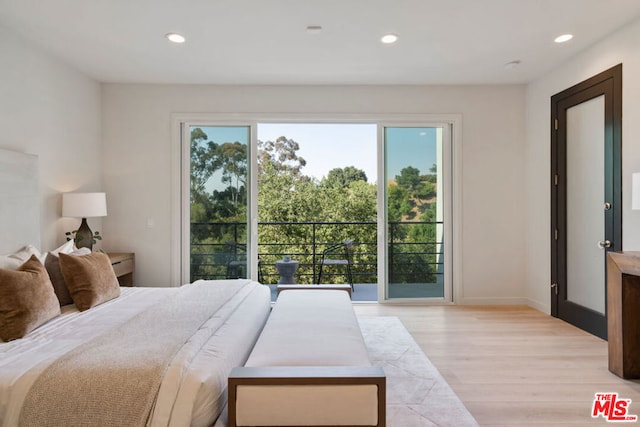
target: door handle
604 244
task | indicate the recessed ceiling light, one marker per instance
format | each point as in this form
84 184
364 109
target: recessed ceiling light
389 38
563 38
175 37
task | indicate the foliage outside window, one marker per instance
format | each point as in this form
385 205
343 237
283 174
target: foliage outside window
299 215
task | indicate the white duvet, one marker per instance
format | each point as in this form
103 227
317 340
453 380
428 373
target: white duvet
193 391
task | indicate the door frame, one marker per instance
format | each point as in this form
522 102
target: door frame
181 194
609 84
449 177
178 266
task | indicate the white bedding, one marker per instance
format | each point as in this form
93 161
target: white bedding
193 391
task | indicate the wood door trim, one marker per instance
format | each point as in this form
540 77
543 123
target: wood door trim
608 83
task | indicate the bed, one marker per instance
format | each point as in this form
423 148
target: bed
193 389
155 356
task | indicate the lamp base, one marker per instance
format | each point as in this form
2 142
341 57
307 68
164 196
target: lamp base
84 236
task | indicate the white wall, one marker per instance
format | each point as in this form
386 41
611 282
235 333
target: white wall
138 146
620 47
53 111
58 113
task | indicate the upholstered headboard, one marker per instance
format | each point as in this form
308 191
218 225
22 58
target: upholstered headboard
19 201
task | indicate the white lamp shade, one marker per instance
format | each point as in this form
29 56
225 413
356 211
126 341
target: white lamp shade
84 205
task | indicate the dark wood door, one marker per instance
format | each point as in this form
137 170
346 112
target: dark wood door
586 197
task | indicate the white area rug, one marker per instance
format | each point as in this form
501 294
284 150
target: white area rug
417 395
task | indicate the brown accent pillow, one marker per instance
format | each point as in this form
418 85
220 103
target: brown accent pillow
90 279
27 299
52 264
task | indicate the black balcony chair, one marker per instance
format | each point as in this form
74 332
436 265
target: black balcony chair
237 261
338 254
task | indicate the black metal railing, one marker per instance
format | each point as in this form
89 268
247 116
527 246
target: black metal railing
414 250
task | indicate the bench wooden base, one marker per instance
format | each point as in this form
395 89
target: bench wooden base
286 378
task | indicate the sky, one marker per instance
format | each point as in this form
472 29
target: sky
328 146
416 147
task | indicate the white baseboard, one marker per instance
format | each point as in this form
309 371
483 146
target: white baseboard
493 301
544 308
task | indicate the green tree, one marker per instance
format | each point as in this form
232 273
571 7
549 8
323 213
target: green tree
342 177
419 187
232 156
398 202
207 157
288 197
203 161
301 211
217 214
425 190
281 154
409 178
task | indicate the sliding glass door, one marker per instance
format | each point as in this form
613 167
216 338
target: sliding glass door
416 227
218 201
408 257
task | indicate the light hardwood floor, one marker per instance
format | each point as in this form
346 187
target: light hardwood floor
514 366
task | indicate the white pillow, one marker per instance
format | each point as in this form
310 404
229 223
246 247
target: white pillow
67 248
16 259
9 263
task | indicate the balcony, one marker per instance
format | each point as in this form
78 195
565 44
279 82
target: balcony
414 255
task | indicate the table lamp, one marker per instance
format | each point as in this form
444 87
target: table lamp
84 205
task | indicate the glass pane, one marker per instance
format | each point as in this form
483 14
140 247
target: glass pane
218 202
317 189
415 212
585 204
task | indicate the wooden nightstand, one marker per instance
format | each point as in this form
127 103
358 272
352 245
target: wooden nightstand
123 264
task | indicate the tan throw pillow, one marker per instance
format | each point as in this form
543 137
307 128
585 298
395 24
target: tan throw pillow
27 299
90 279
52 263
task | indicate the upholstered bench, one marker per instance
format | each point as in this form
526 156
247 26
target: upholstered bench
338 287
309 367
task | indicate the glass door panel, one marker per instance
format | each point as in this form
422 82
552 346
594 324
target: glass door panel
585 204
218 246
414 179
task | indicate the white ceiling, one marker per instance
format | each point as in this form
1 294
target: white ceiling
266 41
